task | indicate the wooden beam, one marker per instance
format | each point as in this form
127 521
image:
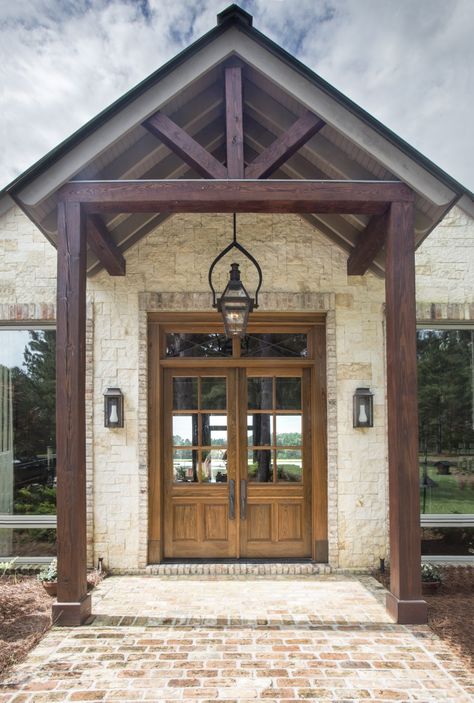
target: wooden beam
404 602
73 604
343 197
285 146
185 146
234 122
104 247
370 242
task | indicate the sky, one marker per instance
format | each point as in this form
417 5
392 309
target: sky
410 63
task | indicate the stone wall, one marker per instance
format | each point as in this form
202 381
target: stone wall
298 265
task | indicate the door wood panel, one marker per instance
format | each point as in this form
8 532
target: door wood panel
278 517
203 506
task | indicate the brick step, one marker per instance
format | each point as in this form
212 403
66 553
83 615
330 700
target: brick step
240 568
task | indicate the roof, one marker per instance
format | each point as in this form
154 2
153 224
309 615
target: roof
277 89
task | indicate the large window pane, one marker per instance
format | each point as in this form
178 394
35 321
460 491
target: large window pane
27 422
445 391
448 541
27 542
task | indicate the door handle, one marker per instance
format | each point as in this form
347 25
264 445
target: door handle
243 499
231 499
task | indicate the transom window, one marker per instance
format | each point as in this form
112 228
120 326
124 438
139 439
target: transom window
289 344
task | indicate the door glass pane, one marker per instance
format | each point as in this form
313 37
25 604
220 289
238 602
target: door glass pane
213 393
275 345
260 429
214 430
288 430
185 393
214 466
260 395
260 468
185 465
288 393
186 344
289 463
185 430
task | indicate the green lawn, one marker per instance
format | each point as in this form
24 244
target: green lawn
448 496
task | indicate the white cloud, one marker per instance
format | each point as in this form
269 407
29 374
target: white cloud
410 64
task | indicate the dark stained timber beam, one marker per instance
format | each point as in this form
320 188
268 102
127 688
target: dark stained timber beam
342 197
370 242
103 246
404 602
185 146
285 146
234 122
73 604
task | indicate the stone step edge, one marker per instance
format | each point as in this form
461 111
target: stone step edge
237 569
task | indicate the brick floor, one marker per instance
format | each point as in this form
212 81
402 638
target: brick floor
239 638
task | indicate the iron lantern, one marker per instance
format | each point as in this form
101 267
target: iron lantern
363 408
235 304
113 407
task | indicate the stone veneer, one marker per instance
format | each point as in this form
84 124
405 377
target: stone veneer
302 271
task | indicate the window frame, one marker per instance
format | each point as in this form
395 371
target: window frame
446 519
30 521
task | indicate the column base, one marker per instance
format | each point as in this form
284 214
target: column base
72 614
407 612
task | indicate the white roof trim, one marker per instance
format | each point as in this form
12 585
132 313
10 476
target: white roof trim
339 117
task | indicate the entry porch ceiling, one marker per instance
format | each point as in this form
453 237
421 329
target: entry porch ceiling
274 96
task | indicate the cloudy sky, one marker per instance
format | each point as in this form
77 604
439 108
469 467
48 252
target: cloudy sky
410 63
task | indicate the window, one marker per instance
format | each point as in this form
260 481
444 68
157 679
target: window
446 439
27 441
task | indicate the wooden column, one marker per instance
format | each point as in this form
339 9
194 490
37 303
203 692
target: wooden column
73 604
404 602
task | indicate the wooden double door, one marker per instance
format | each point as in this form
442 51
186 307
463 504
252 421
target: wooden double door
237 455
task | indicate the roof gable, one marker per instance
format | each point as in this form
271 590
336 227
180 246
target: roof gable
277 90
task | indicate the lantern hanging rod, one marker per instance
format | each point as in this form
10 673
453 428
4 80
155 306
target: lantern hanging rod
235 245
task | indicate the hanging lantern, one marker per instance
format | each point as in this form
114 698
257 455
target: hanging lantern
235 304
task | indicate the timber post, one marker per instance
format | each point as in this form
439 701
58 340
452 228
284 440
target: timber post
404 602
73 604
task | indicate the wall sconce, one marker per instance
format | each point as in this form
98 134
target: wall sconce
363 408
113 407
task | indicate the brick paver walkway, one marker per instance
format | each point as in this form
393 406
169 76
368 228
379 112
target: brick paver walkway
322 638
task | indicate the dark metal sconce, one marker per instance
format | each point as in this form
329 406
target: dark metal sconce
235 304
363 408
113 407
